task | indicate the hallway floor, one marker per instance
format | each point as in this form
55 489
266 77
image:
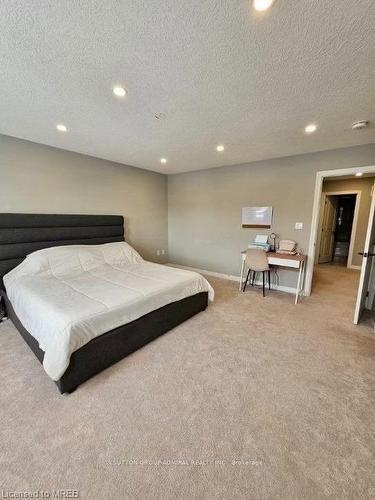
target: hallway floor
336 280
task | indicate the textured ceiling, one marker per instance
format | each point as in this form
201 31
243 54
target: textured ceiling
218 71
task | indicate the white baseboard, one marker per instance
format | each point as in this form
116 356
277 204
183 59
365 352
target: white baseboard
231 277
351 266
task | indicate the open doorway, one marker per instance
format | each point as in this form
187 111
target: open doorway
342 244
345 230
338 226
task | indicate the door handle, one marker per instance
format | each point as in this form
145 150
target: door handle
366 254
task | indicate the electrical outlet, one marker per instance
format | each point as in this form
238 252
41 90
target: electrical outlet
298 226
163 252
158 252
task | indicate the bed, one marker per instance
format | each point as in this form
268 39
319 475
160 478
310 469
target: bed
73 278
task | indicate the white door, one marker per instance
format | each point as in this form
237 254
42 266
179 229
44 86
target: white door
366 263
327 238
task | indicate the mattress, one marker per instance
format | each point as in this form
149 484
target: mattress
66 296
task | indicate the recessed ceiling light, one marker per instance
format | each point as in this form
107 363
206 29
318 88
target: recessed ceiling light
358 174
310 129
119 91
262 5
220 148
163 160
61 128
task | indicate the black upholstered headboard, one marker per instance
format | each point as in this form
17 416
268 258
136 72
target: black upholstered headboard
21 234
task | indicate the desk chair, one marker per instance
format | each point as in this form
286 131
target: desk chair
256 261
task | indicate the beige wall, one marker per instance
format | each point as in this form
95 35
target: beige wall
41 179
204 207
363 185
203 210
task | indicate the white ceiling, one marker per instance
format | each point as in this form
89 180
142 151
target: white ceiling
219 72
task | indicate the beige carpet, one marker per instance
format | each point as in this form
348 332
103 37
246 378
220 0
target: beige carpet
253 399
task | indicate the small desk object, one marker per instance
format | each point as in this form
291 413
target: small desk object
282 260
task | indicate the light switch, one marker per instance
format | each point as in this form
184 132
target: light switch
298 226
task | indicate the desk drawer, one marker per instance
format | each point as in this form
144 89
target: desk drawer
284 262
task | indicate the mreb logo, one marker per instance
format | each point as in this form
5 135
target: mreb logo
65 494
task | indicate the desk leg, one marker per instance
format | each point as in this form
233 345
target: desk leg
242 272
301 266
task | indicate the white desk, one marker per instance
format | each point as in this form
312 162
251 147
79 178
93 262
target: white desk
278 259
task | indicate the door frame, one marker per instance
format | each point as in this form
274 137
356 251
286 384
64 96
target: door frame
320 176
354 224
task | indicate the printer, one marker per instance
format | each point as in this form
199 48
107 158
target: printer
260 242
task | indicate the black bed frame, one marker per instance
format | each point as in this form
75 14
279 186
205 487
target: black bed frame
21 234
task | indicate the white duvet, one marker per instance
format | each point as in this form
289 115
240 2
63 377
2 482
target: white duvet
66 296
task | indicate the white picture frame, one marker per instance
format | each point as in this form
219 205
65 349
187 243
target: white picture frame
257 217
